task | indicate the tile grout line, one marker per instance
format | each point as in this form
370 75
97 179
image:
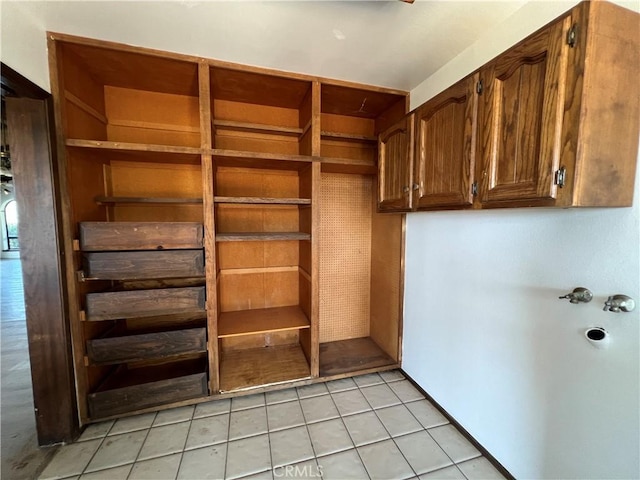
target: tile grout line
142 444
185 441
306 426
373 409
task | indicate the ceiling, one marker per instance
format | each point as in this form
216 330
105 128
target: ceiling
387 43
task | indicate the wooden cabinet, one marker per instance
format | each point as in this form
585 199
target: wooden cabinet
395 166
444 157
521 112
557 124
219 227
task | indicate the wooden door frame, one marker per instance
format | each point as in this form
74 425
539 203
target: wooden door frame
32 140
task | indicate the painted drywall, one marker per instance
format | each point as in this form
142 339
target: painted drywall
486 335
23 43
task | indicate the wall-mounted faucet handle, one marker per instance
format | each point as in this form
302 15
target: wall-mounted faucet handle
579 295
619 303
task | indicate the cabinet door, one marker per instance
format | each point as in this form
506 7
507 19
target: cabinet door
395 149
445 147
521 112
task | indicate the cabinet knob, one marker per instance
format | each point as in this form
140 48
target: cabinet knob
405 189
416 186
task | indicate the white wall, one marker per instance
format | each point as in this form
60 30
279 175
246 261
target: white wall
23 44
488 338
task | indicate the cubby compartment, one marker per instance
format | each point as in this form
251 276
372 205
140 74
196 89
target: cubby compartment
128 389
351 119
359 283
258 112
129 97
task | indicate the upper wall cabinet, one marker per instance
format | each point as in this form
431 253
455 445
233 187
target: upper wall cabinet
445 148
395 151
559 114
557 124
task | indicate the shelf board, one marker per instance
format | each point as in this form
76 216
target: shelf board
347 165
102 200
348 136
237 158
137 147
263 200
257 128
345 356
263 320
257 367
261 236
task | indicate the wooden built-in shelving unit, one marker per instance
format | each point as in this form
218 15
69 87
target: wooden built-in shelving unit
224 222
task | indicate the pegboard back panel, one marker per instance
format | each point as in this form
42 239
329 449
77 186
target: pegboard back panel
345 256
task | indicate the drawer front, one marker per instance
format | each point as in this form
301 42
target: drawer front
144 303
137 397
147 346
144 265
105 236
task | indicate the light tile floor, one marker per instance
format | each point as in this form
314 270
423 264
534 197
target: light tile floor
374 426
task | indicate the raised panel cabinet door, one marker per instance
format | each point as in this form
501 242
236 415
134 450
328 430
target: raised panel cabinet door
395 150
521 112
446 147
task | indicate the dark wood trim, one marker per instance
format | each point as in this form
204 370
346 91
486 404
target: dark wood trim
15 85
462 430
32 140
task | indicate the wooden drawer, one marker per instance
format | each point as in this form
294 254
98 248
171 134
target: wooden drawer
98 236
144 265
144 303
147 346
135 389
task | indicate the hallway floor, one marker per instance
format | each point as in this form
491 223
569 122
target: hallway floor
21 457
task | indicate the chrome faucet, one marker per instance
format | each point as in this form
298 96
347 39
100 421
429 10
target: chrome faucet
619 303
579 295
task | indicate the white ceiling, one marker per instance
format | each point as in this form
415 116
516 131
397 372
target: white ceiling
387 43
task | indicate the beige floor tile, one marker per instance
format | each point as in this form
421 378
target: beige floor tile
174 415
329 437
117 473
96 430
71 459
365 428
215 407
341 385
342 466
203 463
480 469
350 402
380 396
405 391
162 468
383 460
131 424
284 415
307 470
248 401
246 423
454 443
428 415
290 446
392 376
367 380
317 409
448 473
117 450
422 452
248 456
313 390
208 431
280 396
398 420
164 440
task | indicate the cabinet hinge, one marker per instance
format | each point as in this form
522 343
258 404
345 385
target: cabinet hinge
479 87
474 188
560 177
572 35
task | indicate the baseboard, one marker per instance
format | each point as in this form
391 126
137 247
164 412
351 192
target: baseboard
462 430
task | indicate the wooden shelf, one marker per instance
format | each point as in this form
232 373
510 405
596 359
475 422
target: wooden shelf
263 320
132 147
257 128
261 236
259 367
102 200
128 390
346 165
347 356
348 137
263 200
237 158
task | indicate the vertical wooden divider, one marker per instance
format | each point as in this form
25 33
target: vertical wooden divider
315 230
209 227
